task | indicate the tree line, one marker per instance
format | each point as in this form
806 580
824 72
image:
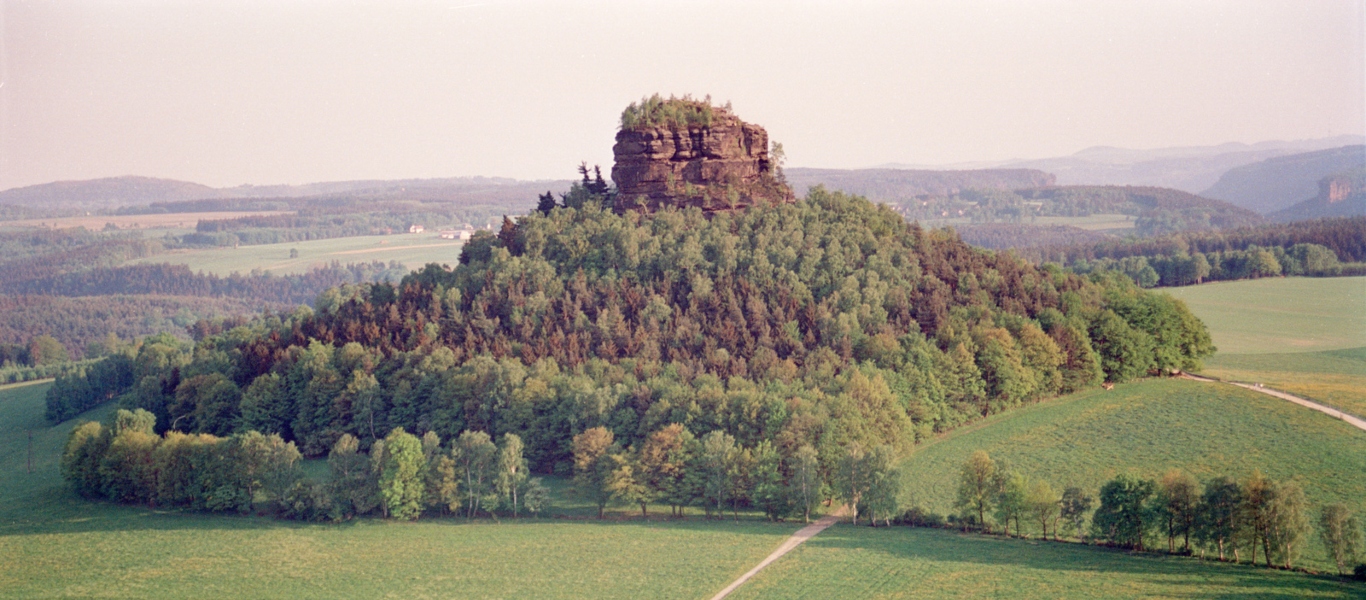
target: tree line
1222 517
179 280
404 476
1255 262
1344 236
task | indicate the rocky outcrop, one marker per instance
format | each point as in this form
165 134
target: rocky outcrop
720 166
1336 188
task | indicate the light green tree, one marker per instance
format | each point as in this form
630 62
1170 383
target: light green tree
978 483
476 457
1341 534
1012 501
512 471
805 484
718 453
400 482
1041 503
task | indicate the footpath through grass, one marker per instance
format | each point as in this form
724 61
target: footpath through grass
902 562
1336 378
1149 427
53 544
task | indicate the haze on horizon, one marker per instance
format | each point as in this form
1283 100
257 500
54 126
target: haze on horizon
227 93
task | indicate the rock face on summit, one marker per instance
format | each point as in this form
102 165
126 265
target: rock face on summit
723 165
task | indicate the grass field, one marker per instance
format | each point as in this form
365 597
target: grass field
413 250
1335 377
1306 336
901 562
1281 314
53 544
1147 428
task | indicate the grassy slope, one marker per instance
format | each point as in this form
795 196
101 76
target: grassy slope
409 249
862 562
55 544
1303 335
1147 428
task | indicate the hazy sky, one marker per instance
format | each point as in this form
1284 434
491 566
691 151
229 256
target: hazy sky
293 92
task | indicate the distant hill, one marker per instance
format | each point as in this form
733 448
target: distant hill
107 193
880 185
1339 195
145 194
1189 168
1277 183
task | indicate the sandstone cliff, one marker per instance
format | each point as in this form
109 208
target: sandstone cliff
715 162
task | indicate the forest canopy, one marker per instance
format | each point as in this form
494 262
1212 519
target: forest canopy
824 323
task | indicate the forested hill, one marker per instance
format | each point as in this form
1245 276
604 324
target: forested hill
827 322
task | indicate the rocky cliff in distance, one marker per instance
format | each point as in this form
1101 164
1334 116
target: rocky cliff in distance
684 152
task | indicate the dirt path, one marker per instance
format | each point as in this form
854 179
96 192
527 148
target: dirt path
1327 410
797 538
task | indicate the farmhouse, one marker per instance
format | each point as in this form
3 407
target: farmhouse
416 229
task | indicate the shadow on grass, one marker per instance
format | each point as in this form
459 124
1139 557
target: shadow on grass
950 546
57 510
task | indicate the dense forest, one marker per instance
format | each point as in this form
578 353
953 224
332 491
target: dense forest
77 323
825 323
179 280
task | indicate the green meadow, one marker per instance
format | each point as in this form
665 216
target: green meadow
413 250
902 562
1281 315
1146 428
1303 335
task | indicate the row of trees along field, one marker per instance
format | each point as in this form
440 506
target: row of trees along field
404 476
1323 247
1221 516
1189 269
825 323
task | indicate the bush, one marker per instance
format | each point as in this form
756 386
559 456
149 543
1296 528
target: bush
1359 573
919 517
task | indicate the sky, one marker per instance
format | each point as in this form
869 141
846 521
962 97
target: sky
246 92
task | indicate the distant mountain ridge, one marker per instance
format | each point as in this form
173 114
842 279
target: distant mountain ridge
112 193
1188 168
1277 183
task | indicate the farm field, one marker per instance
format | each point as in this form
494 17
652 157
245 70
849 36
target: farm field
54 544
186 221
1336 378
902 562
413 250
1303 335
1281 314
1149 427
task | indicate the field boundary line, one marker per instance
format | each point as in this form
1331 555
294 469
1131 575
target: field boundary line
795 540
1328 410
